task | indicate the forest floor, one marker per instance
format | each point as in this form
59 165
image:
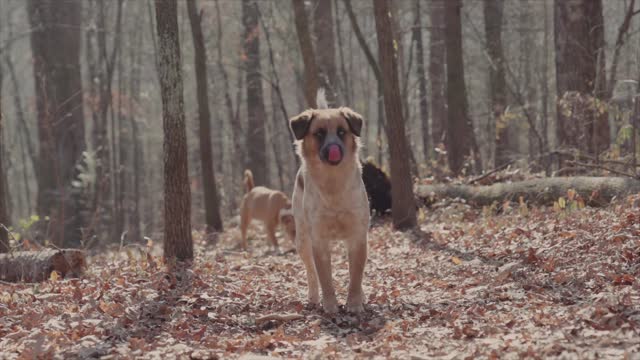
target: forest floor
524 283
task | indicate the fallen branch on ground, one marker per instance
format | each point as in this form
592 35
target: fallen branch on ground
600 167
595 191
278 317
35 266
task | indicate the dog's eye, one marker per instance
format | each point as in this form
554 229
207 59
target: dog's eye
320 133
341 132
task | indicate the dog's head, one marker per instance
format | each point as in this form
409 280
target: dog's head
288 223
328 136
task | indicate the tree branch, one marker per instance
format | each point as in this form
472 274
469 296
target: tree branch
361 40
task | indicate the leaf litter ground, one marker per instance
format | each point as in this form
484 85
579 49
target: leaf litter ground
537 283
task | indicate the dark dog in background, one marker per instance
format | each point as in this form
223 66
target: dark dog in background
378 187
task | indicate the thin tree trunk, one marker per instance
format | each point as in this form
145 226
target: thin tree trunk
361 40
620 39
106 63
498 128
306 48
380 124
134 90
28 151
256 113
211 198
122 145
345 78
460 138
178 244
4 213
422 82
232 122
437 74
527 54
544 84
326 58
403 203
376 71
279 99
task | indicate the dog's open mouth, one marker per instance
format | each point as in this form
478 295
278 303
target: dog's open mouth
333 154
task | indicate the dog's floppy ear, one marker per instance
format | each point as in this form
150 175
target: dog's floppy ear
354 120
300 124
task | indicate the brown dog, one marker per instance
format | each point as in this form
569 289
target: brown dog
272 207
330 201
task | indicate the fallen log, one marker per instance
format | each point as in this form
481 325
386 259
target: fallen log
595 191
36 266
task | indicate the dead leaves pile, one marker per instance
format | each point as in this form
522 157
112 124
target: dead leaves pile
537 284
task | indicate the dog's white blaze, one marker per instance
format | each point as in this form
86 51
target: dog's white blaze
321 99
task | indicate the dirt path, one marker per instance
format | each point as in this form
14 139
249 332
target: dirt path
528 282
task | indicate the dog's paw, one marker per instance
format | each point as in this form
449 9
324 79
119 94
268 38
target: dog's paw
355 302
355 308
330 306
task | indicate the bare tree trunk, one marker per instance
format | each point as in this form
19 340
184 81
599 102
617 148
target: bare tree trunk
28 151
580 75
460 138
256 113
345 80
403 203
527 55
493 10
103 69
325 42
177 195
422 82
211 199
277 98
376 71
437 60
55 43
137 170
620 39
4 214
380 125
121 144
306 48
544 85
236 169
361 40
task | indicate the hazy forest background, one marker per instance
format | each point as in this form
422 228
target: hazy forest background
508 128
541 79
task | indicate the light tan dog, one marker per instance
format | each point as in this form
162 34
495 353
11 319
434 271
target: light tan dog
272 207
330 201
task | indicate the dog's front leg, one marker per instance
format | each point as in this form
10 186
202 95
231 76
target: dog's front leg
303 246
322 259
357 251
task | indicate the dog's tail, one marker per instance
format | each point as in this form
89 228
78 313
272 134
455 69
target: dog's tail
248 180
321 99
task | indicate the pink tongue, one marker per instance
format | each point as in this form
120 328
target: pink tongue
334 153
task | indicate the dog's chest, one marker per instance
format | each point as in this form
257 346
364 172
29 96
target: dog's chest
341 224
